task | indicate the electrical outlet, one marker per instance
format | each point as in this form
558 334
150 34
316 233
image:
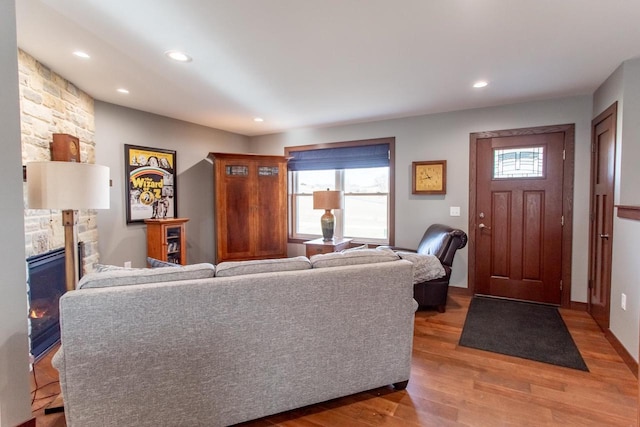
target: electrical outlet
623 301
454 211
127 264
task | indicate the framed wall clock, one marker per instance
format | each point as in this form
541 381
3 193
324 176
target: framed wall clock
429 177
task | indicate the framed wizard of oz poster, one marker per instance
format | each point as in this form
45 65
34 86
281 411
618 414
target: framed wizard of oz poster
151 189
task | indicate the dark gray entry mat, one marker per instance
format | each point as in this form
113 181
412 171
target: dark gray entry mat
515 328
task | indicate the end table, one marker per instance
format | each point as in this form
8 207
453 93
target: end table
319 246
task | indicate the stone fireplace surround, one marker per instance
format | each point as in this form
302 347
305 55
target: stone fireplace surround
51 104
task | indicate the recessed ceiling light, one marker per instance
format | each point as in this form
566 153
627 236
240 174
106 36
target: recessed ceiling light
480 84
81 54
258 119
123 90
176 55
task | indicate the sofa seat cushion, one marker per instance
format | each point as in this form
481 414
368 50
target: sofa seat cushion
361 256
239 268
139 276
425 267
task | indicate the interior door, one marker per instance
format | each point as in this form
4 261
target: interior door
517 229
603 136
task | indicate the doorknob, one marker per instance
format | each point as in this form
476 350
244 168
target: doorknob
604 236
481 225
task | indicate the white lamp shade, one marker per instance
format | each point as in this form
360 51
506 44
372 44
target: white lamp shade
328 199
67 185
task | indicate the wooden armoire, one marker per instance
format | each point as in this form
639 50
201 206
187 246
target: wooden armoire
250 206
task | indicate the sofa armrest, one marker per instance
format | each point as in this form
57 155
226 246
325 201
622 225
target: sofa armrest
442 241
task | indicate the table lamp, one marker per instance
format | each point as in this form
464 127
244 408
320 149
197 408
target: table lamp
68 186
327 200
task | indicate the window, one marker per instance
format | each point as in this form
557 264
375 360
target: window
363 170
518 163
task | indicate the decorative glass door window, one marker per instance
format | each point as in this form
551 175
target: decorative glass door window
525 162
268 170
173 245
237 170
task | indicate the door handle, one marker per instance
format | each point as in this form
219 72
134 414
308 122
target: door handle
604 236
481 226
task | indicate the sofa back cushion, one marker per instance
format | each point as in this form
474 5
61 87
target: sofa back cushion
361 256
139 276
238 268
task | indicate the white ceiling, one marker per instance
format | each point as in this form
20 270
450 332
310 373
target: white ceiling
300 63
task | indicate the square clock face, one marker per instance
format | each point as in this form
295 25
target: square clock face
430 177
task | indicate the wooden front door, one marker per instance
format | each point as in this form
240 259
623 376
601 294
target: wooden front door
603 137
517 217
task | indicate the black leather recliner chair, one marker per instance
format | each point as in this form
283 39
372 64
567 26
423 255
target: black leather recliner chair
442 241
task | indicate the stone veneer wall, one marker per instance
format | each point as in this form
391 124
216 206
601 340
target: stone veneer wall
50 104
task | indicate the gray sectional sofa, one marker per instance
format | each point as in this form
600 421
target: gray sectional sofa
177 346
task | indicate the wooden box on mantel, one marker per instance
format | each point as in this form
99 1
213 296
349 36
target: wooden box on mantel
65 148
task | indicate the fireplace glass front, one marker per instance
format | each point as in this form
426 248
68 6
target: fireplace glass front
46 276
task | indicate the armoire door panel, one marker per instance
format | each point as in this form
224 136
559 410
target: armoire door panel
238 218
271 207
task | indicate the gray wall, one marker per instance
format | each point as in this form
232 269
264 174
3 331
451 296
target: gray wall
624 86
14 346
446 136
116 126
630 147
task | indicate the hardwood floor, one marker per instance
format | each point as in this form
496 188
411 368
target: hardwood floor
47 393
458 386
